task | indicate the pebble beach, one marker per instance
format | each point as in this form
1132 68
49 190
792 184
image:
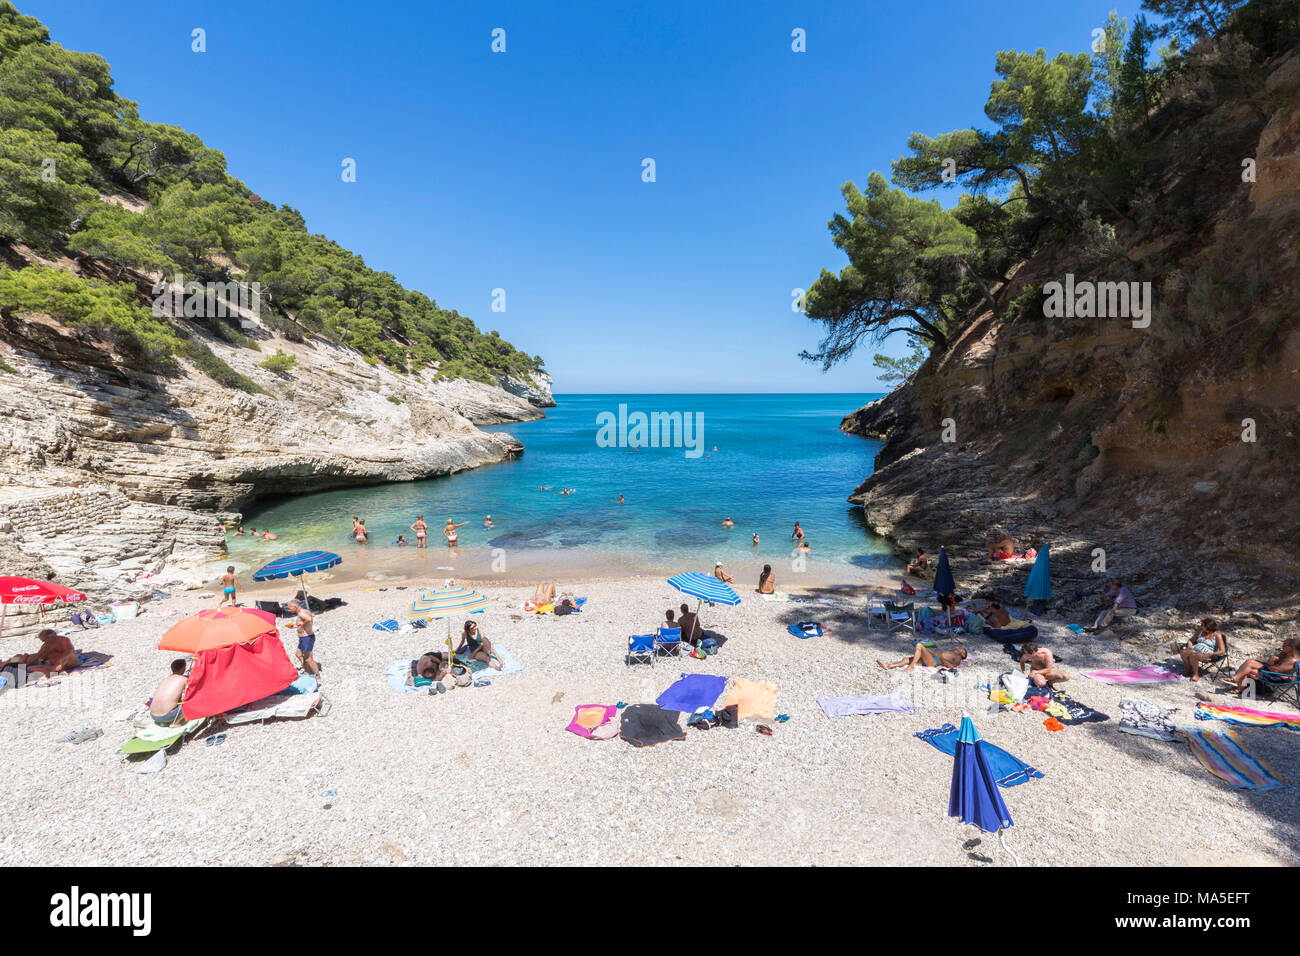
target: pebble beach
489 775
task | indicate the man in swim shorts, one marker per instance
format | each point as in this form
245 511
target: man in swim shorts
165 708
229 585
305 622
1043 671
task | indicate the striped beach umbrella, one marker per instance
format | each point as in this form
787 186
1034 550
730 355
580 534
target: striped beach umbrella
298 566
705 587
448 603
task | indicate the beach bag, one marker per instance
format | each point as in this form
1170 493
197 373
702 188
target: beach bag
974 624
708 645
729 716
105 619
84 619
461 676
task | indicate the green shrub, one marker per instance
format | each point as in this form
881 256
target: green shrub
281 361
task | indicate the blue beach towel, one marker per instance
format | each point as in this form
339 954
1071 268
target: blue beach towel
509 664
805 629
1007 770
692 692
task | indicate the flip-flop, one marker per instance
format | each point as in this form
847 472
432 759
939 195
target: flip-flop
215 740
782 718
482 683
765 730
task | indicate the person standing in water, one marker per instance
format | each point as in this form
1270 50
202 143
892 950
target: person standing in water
421 529
449 532
797 534
487 522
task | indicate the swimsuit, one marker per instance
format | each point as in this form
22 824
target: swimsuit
306 642
230 590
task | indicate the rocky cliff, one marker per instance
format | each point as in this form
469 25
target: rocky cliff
1166 455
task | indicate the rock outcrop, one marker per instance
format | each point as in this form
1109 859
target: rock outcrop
1168 465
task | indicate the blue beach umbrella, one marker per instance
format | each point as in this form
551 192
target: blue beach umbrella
705 587
974 797
1039 586
296 566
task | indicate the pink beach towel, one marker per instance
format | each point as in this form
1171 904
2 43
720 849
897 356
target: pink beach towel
1151 674
590 720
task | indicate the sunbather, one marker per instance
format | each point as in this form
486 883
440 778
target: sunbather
1283 662
669 620
1000 545
995 615
767 581
545 594
928 658
55 655
1206 644
429 668
165 708
721 574
919 564
1043 671
479 648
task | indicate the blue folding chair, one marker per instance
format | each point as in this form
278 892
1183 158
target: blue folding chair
669 641
640 649
1281 686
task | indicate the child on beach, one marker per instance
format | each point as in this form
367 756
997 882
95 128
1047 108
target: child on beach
305 623
401 541
720 574
229 586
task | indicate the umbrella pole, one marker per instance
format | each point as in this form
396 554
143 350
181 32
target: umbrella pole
1003 840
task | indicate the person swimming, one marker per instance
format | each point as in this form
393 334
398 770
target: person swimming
756 539
401 541
728 523
487 522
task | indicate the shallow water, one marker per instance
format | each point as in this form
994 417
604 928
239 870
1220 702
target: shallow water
778 459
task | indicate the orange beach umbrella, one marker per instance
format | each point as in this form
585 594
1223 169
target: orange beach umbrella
217 627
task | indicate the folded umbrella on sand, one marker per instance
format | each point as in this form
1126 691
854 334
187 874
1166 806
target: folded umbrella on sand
974 797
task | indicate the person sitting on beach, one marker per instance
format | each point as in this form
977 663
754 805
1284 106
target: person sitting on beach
421 529
165 708
767 581
720 574
429 668
1283 662
1000 546
56 654
1205 645
479 648
669 621
995 615
305 622
449 531
690 625
229 586
1122 604
927 658
919 564
1043 671
727 522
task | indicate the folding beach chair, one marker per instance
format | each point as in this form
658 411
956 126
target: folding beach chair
669 641
877 616
1282 687
1214 666
901 617
640 649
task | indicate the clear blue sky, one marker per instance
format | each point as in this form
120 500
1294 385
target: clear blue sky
522 170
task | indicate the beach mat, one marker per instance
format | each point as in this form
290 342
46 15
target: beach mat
1007 770
805 630
1246 717
594 721
156 737
691 692
509 664
1145 718
647 725
1221 753
752 698
895 703
1151 674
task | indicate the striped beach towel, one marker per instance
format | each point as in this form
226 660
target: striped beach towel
1151 674
1223 755
1246 717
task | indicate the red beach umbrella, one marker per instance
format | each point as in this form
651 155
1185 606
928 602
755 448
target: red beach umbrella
33 591
217 627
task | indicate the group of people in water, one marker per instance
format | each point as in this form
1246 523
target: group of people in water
239 532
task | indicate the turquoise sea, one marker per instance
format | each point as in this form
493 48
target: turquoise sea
778 459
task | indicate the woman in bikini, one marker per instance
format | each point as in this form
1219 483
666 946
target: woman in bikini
449 532
421 529
924 656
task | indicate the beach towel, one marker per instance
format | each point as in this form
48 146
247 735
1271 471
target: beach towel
153 737
692 692
1066 709
593 721
781 596
1147 719
1221 753
1246 717
390 626
752 698
805 630
396 674
647 725
895 703
290 703
509 664
1012 635
1151 674
89 660
1007 770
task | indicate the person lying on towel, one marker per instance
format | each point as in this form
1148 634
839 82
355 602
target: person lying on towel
1043 671
995 615
924 656
56 654
429 668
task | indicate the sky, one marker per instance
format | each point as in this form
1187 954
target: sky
523 171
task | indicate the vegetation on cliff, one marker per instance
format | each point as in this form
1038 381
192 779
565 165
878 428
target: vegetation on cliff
67 140
1087 157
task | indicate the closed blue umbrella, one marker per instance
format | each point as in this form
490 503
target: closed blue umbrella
1039 586
974 797
297 565
944 585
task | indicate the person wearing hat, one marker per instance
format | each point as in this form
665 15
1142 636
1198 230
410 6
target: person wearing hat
720 574
487 522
